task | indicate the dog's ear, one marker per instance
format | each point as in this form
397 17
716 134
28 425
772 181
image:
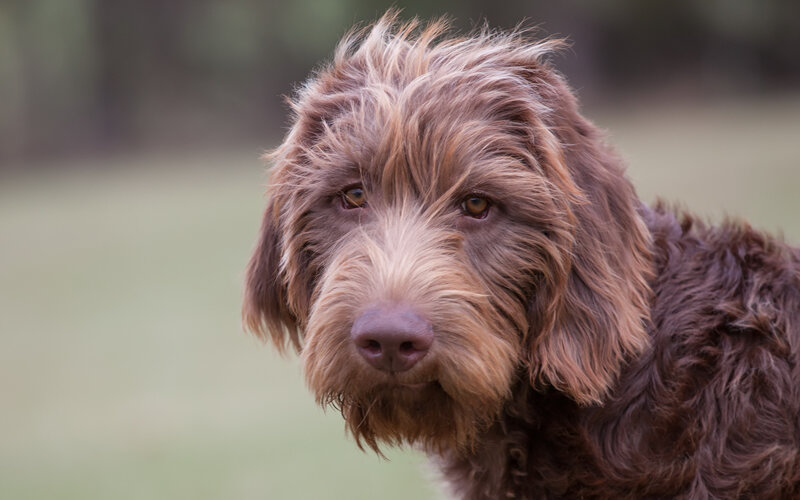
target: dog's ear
585 325
265 311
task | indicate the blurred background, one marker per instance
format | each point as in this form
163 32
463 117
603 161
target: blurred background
131 192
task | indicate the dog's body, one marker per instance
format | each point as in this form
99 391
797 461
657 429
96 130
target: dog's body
709 411
464 267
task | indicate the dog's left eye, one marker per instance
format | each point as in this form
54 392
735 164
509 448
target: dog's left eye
354 197
475 206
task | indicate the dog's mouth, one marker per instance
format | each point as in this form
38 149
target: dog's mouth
417 380
394 384
402 391
418 386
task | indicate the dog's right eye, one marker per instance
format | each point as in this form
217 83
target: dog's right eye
355 197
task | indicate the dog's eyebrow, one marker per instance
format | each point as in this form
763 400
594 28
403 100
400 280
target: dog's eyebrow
447 197
335 179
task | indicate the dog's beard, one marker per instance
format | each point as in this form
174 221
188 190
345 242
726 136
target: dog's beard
422 414
443 404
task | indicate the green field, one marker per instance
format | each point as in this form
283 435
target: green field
124 373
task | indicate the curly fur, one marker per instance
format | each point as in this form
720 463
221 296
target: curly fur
586 345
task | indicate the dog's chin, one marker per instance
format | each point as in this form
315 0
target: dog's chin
422 414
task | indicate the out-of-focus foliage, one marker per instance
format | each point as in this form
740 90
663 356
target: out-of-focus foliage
94 75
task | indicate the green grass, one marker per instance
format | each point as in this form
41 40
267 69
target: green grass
740 159
123 370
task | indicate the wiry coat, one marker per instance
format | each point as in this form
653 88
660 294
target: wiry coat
710 410
585 345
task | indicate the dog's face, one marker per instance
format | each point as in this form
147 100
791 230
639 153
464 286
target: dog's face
441 224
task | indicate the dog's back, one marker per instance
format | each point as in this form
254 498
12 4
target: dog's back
721 393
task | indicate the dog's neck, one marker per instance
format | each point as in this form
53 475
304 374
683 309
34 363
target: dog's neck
535 432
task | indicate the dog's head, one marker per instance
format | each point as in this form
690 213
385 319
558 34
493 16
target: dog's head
441 221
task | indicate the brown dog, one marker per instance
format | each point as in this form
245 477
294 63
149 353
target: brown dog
464 267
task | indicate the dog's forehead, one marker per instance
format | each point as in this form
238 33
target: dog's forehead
433 134
399 113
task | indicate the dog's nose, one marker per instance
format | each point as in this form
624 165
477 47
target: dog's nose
392 338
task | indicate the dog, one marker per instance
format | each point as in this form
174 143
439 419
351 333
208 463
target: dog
463 266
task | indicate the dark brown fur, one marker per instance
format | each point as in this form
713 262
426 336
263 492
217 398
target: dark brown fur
586 345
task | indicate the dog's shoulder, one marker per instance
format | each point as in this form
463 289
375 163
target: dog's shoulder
727 279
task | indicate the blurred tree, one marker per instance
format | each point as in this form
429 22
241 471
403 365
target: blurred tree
89 75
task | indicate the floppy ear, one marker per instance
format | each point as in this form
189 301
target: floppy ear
265 311
584 328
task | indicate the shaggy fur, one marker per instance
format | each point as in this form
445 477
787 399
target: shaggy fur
585 345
